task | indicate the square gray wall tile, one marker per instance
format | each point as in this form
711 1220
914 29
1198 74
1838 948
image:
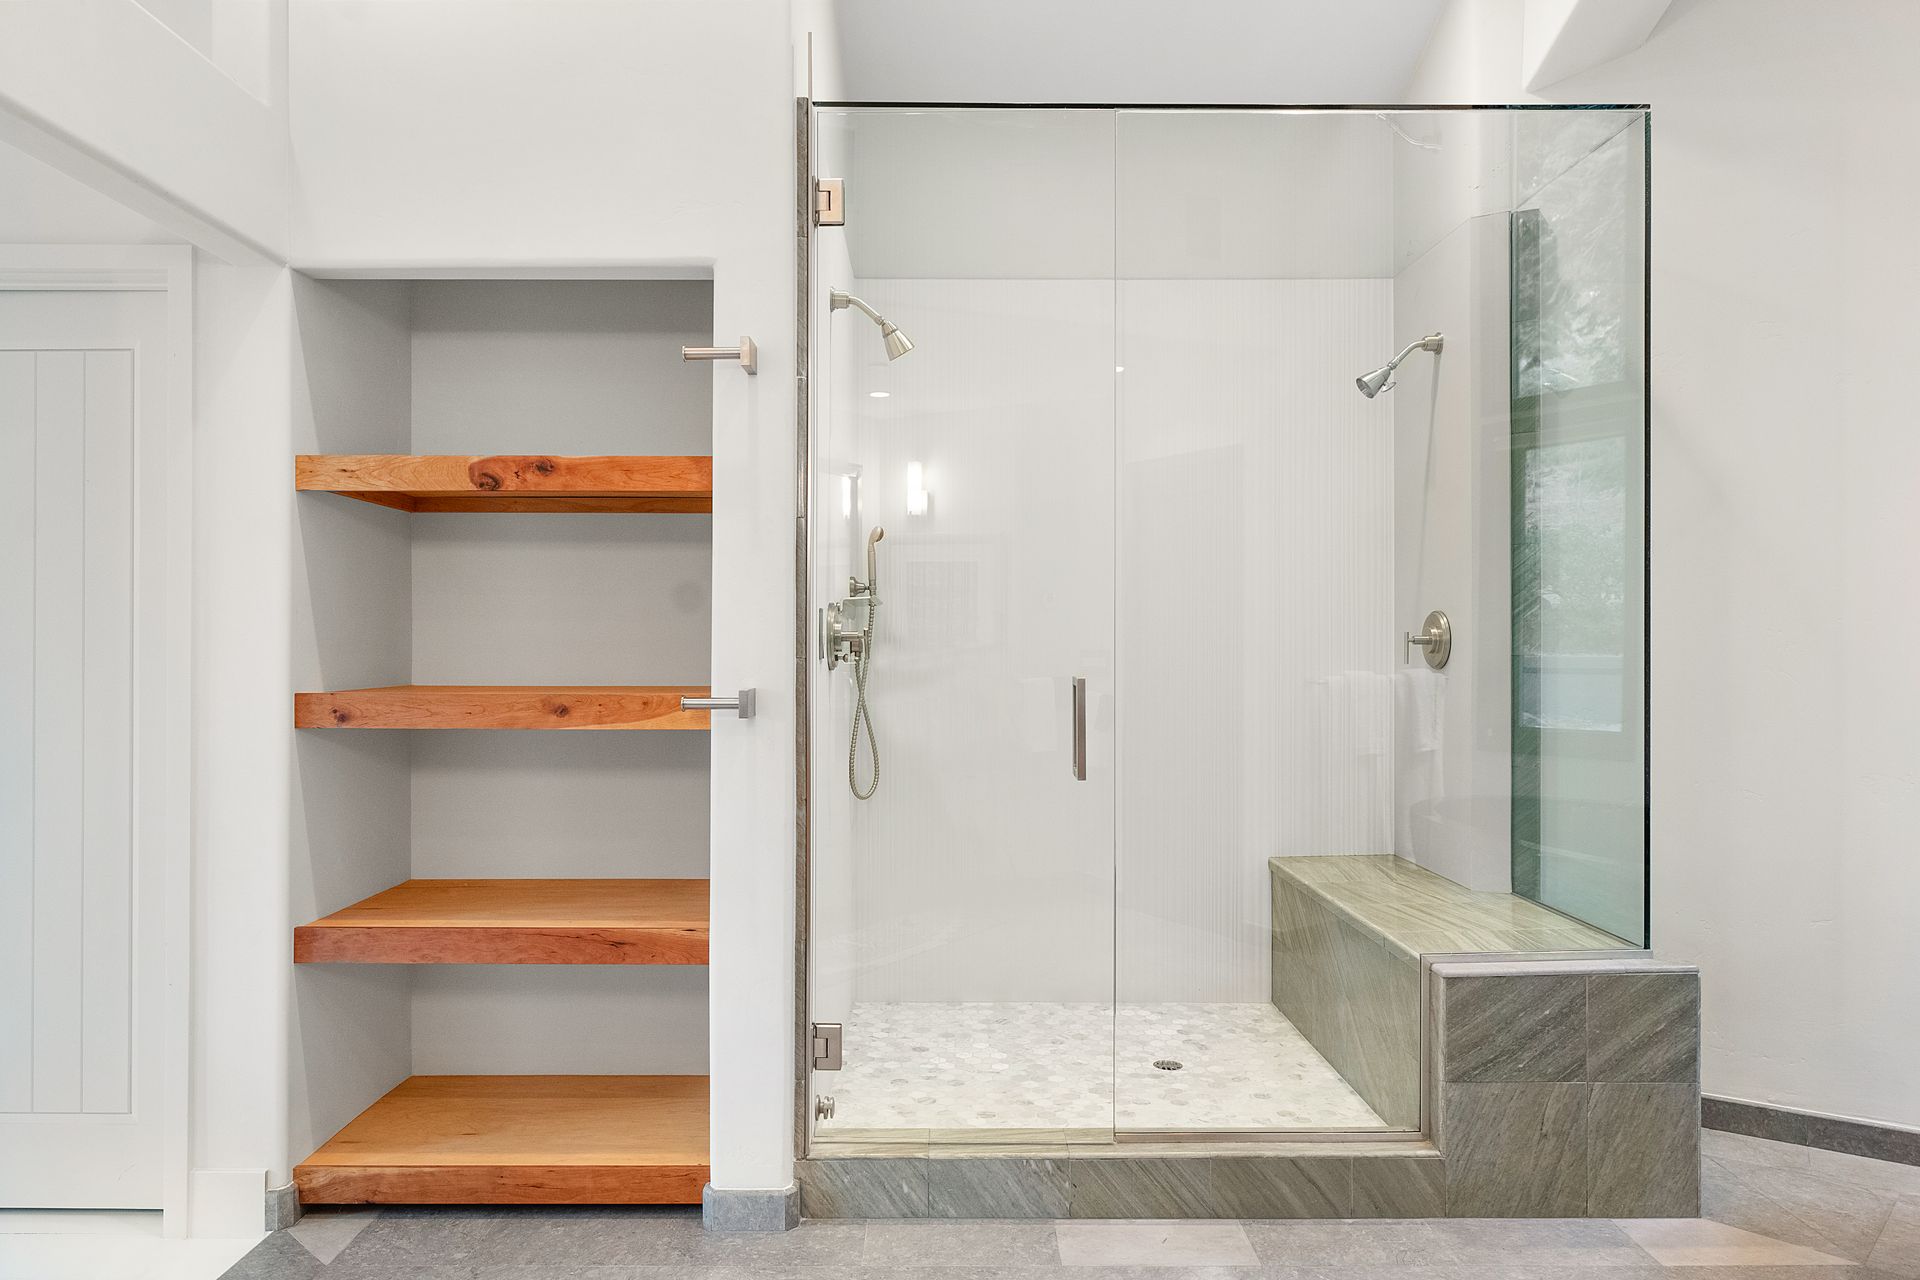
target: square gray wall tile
1516 1149
1267 1186
1398 1187
1518 1027
1151 1187
863 1187
998 1187
1644 1027
1644 1150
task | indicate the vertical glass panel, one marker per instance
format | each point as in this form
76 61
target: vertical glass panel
1579 526
963 912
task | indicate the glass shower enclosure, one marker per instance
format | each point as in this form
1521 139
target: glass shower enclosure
1177 686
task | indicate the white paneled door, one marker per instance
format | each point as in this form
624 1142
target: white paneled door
82 386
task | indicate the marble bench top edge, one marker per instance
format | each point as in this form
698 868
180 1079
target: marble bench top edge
1522 968
1392 868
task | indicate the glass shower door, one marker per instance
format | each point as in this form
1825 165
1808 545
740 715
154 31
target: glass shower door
963 913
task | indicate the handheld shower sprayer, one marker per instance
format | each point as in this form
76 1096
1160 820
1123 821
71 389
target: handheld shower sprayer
862 656
873 564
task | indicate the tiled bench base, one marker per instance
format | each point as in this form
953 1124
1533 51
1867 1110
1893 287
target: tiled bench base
1349 931
1567 1088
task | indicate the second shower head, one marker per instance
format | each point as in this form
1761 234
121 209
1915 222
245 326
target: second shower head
1372 384
898 343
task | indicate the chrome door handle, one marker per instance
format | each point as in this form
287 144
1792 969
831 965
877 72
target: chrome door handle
1080 728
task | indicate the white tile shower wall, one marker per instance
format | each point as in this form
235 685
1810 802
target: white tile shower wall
1453 781
981 869
1255 624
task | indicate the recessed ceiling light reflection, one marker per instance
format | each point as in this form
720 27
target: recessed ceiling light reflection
879 395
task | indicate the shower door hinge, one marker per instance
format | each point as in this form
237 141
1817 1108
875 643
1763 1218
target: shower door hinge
829 203
826 1046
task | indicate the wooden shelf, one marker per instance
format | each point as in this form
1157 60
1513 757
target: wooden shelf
482 706
515 922
519 1140
511 482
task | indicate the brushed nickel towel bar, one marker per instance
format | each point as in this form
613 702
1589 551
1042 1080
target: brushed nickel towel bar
742 703
746 353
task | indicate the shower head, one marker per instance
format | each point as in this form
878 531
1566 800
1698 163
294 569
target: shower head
898 343
1372 384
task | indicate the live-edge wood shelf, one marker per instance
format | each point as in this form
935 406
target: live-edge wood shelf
512 482
519 1140
475 706
515 922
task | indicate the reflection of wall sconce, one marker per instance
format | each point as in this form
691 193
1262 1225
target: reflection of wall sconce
917 495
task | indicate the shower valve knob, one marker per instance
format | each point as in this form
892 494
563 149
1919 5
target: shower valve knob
1435 638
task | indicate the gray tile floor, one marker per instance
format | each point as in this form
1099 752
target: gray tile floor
1773 1212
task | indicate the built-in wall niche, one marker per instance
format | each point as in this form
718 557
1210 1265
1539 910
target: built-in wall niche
504 531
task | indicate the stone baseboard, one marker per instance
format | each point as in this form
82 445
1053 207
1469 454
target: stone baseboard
734 1212
1810 1129
283 1207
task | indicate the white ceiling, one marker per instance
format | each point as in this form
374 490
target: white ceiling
1123 51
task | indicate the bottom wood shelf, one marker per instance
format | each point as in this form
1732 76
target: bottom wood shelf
519 1140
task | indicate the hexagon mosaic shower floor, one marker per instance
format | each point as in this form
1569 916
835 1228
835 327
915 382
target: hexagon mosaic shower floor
996 1066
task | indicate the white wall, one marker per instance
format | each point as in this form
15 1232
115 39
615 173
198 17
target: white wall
575 367
351 599
235 1130
1255 620
1784 770
568 138
1258 51
45 206
108 88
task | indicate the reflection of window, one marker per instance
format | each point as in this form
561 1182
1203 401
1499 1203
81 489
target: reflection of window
1573 517
1578 277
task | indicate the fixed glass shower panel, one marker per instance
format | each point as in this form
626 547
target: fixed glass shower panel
1579 518
963 912
1313 443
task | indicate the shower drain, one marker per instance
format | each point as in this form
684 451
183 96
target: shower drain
1167 1064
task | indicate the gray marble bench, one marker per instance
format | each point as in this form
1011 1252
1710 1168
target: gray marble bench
1348 934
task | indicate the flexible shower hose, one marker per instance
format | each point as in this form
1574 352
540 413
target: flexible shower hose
862 716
